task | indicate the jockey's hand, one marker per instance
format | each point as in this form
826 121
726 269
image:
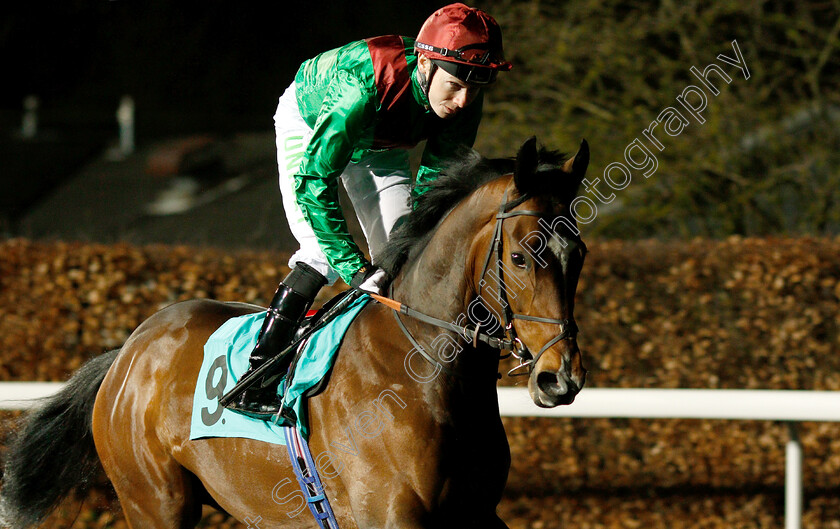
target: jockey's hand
370 278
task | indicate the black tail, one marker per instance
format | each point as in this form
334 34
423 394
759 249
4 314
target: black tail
52 452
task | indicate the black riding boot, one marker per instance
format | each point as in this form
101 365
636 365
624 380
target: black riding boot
293 298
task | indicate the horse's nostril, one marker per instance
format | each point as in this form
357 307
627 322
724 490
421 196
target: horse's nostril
551 384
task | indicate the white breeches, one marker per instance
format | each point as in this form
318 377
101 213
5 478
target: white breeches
379 187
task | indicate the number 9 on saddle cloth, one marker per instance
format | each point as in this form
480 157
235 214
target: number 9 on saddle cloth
226 356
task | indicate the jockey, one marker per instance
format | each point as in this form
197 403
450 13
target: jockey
353 112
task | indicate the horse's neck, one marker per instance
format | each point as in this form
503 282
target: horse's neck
437 281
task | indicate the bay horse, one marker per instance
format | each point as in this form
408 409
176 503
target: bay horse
402 439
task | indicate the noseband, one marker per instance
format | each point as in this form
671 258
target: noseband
508 339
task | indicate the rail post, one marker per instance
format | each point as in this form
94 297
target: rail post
793 478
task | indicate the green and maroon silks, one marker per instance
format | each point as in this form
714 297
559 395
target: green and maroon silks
361 98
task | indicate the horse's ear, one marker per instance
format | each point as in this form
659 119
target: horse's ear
577 164
526 164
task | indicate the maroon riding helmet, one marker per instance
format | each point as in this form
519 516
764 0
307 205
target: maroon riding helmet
465 42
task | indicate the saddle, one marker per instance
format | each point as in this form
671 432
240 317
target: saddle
270 372
225 362
318 319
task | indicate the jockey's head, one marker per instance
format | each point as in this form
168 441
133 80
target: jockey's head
465 45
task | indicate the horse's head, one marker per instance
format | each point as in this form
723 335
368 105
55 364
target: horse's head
530 272
510 223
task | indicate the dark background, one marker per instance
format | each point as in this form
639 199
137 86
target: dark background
763 163
212 68
210 65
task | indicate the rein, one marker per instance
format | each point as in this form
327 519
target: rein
509 340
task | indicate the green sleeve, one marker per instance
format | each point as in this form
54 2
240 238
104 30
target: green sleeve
344 114
443 146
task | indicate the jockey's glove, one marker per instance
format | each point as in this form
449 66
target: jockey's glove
371 279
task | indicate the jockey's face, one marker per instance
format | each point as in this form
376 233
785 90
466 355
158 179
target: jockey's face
448 95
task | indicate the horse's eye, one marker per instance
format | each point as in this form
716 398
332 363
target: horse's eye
518 259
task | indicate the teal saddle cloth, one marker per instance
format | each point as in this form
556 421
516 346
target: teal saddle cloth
226 356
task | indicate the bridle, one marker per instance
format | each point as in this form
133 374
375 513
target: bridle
508 340
568 327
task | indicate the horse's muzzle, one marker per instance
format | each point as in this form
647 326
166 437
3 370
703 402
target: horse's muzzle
551 386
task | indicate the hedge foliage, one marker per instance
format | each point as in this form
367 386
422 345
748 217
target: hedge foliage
766 158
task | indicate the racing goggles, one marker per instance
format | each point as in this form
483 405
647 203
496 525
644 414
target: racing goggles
477 75
472 63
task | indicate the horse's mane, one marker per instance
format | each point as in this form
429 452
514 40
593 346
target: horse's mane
466 172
